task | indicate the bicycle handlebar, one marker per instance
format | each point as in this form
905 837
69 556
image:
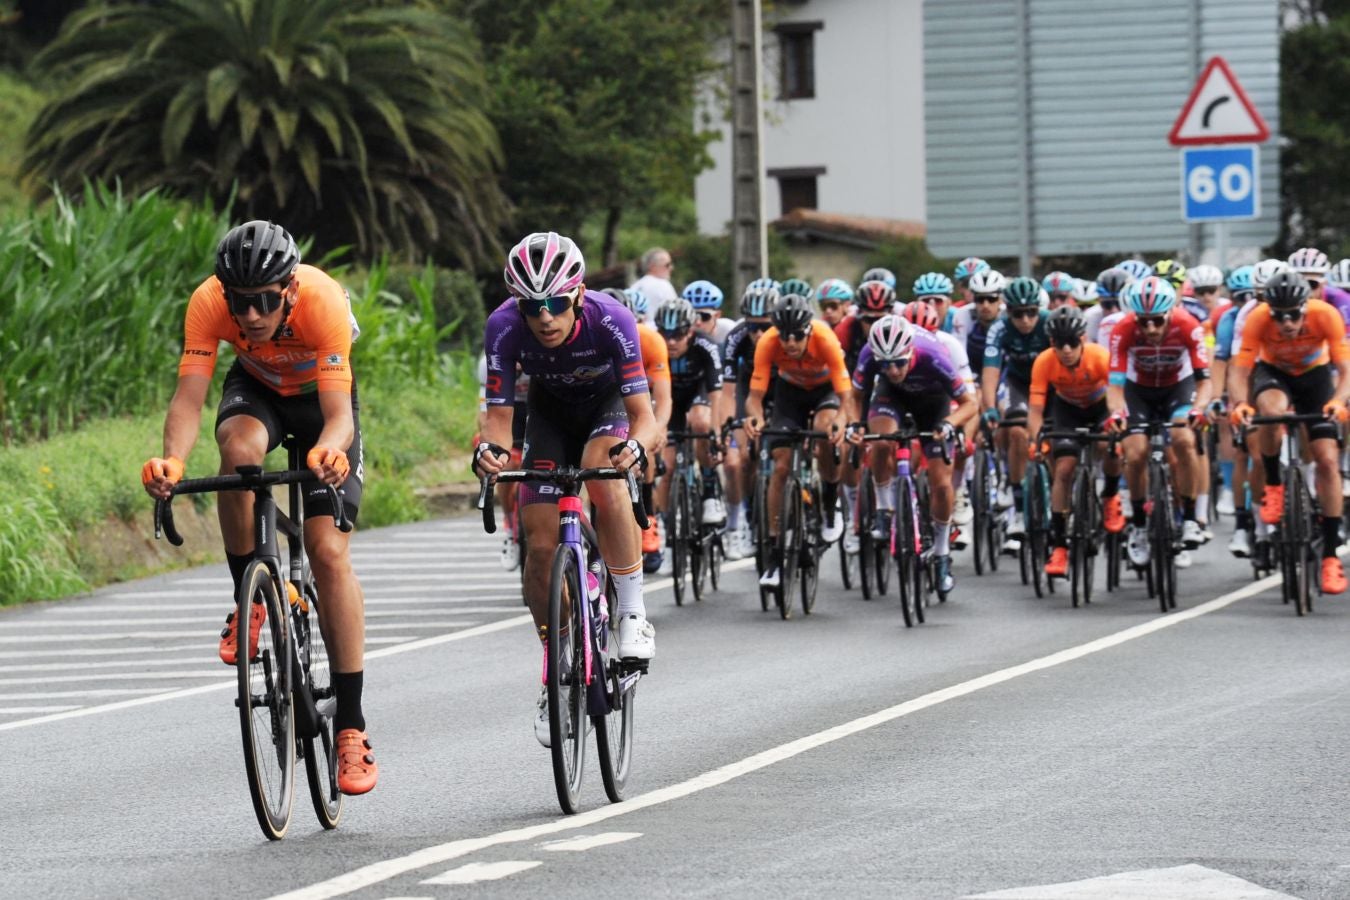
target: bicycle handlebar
1287 419
251 478
561 475
911 435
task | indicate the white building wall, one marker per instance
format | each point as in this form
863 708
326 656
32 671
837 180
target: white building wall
864 125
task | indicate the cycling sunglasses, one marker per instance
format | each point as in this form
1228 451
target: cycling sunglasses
265 302
896 363
677 335
1061 296
556 306
795 335
1067 343
1029 312
988 298
1152 321
757 327
1287 315
706 315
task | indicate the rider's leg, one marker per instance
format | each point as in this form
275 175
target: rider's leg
1060 496
1184 469
243 442
1326 458
1136 476
826 420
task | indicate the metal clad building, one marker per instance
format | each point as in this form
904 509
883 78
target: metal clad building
1087 138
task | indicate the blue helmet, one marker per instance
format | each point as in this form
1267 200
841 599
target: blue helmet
1150 296
834 290
759 297
932 284
1240 279
968 267
636 301
1136 267
1058 283
703 295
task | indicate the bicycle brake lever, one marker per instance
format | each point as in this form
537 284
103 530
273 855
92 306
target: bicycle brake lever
485 505
164 523
339 510
635 498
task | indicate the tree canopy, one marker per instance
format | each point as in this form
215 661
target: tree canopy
357 121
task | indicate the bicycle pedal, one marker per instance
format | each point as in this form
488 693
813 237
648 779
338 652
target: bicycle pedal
631 664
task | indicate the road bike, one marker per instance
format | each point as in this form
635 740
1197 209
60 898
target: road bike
1087 537
874 553
799 544
1035 546
583 673
285 694
1298 539
1164 532
695 547
989 521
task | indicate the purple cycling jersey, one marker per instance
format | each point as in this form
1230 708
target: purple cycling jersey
601 354
1339 299
932 370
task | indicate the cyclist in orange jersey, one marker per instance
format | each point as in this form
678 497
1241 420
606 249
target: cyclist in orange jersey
812 390
1078 373
292 329
1294 353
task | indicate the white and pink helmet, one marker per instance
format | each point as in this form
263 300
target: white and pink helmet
544 264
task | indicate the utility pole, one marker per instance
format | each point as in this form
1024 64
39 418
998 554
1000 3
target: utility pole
749 242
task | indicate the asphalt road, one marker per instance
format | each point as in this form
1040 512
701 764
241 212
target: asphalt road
1011 747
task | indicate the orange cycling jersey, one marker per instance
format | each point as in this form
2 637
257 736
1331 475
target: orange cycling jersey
311 354
822 362
1082 385
655 354
1321 338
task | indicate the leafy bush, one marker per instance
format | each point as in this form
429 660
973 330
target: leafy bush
908 258
709 257
456 299
35 560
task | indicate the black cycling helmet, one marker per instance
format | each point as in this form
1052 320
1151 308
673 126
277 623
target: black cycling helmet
674 316
792 313
1286 290
615 294
1066 324
1112 282
255 254
1022 292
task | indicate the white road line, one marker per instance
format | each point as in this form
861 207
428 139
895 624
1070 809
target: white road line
589 841
405 645
95 651
73 638
394 626
226 588
450 604
223 604
217 671
30 710
435 566
67 666
114 623
440 853
93 692
398 639
476 872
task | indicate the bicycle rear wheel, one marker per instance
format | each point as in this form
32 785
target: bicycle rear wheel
266 710
614 732
1033 543
1080 577
566 678
811 551
679 536
979 501
867 561
320 751
789 546
910 568
715 554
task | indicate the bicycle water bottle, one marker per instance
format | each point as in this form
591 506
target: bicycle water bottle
593 591
294 597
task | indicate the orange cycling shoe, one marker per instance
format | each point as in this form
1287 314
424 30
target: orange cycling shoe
1113 519
357 770
1058 566
651 539
1333 576
1272 504
229 637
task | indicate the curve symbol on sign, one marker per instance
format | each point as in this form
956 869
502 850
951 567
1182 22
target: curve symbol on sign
1209 110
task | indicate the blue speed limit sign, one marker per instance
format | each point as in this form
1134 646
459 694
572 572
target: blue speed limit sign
1220 183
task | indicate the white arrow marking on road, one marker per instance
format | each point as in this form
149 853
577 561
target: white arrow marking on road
1189 882
475 872
589 841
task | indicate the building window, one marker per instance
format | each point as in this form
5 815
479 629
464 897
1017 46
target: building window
797 59
797 187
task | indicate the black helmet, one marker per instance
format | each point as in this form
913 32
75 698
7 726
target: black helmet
674 316
1111 283
1066 323
254 254
615 294
1286 290
792 313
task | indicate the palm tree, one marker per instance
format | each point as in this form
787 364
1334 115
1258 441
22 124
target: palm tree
357 121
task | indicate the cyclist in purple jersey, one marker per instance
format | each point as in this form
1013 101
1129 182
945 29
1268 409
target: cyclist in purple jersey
589 406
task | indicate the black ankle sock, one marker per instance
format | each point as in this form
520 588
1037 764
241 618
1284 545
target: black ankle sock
1017 495
1331 536
1138 515
1059 525
237 565
1188 508
1272 466
347 687
829 495
1243 518
1110 486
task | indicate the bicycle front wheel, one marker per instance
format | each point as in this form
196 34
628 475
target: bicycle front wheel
764 542
566 681
679 537
614 732
909 566
789 546
811 551
320 751
1298 510
266 710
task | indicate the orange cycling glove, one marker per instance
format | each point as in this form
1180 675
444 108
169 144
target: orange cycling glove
1335 411
326 456
1241 413
170 469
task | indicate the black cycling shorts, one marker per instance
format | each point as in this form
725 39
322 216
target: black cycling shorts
1067 417
1158 404
1308 393
680 404
795 407
928 410
302 417
557 432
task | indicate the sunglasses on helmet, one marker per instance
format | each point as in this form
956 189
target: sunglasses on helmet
265 302
556 306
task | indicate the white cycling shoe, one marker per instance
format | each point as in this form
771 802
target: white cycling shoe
637 638
541 718
962 513
714 511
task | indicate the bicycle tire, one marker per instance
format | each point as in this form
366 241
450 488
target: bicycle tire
614 740
1298 508
1031 518
1078 542
764 542
866 543
812 550
565 679
907 563
979 502
849 563
1160 534
320 751
789 546
679 537
698 535
715 555
266 708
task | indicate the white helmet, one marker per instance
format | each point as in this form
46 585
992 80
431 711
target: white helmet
1206 277
1262 271
1085 292
1309 261
891 338
1339 274
987 281
1044 298
544 264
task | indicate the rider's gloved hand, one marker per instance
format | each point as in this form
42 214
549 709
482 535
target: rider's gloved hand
160 475
627 454
1118 421
1217 409
1335 411
1197 418
945 432
1241 414
990 415
329 464
489 459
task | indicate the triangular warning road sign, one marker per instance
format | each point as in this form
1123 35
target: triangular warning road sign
1218 111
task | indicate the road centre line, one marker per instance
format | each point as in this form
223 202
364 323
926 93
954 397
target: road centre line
217 671
451 604
92 692
375 873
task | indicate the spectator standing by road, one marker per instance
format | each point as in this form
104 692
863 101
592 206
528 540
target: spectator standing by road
655 283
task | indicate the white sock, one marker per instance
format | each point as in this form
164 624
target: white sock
850 500
1202 507
942 532
628 587
885 497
